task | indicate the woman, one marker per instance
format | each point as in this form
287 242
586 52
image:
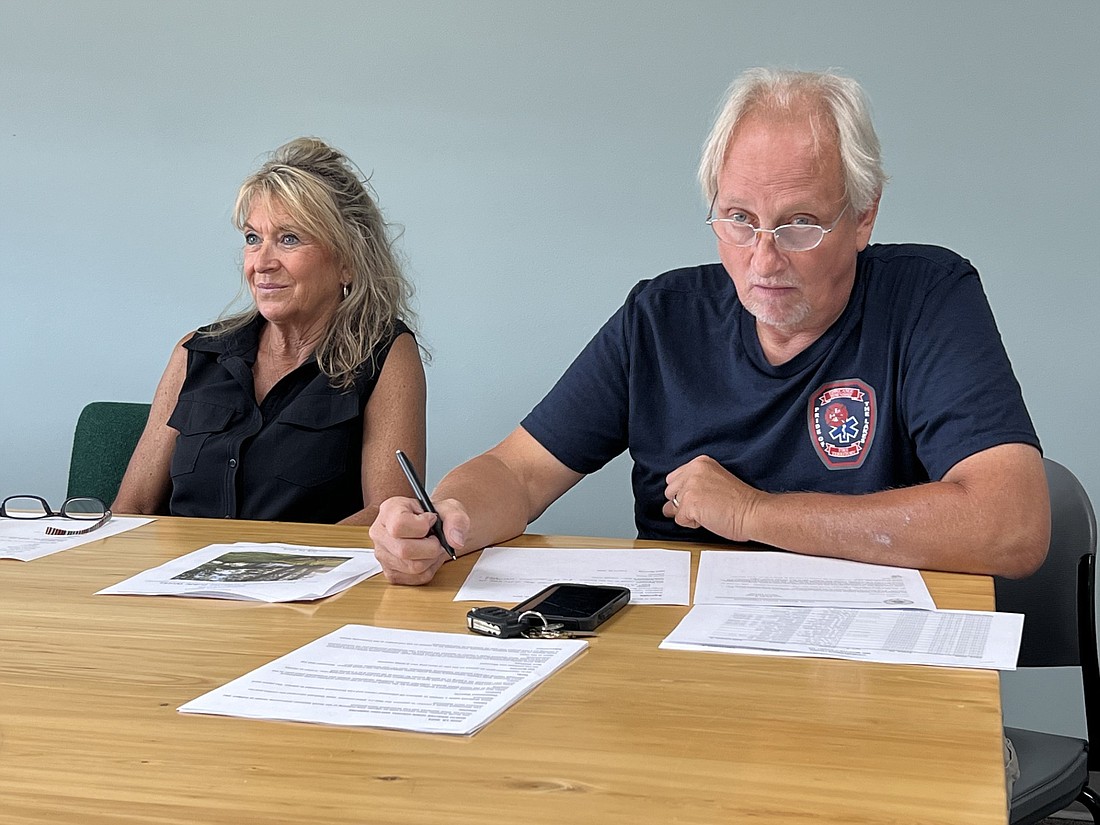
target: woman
293 409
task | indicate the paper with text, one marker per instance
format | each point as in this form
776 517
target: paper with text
946 638
384 678
513 574
25 540
774 578
262 572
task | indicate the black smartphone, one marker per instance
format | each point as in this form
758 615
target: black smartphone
576 606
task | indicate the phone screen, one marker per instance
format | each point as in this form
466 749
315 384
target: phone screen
577 601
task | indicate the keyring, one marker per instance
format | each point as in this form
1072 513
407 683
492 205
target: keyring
542 618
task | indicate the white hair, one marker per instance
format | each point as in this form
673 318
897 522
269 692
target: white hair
781 91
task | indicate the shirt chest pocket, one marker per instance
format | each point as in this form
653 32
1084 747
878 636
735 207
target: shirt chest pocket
196 422
318 439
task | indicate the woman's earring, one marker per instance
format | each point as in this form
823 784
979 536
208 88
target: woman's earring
347 291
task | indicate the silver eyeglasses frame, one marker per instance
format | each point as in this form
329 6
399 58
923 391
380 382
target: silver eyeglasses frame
778 234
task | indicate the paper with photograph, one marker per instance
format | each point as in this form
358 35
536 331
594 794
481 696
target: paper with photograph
263 572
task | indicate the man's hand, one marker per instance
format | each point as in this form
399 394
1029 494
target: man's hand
702 493
402 543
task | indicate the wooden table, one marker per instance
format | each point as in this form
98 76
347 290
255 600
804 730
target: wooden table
89 731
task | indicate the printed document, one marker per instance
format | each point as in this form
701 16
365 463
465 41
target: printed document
254 572
513 574
948 638
775 578
25 540
402 679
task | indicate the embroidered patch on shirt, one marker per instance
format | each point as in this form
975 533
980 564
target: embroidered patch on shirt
842 417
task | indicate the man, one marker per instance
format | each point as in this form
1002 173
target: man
812 392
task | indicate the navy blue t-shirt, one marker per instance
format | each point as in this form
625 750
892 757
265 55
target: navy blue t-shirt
909 380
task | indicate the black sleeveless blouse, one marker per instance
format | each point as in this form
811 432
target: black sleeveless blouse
295 457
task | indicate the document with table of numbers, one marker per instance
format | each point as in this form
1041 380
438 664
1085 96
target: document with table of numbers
946 638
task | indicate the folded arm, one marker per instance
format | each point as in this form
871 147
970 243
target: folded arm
989 514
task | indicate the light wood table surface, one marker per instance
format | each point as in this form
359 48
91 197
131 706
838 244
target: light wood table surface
89 731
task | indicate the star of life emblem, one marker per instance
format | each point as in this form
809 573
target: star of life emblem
842 418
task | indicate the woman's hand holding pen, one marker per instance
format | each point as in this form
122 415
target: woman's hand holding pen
403 543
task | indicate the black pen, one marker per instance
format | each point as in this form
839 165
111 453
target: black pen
425 502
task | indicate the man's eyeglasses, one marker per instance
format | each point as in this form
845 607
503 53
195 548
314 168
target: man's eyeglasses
78 508
791 237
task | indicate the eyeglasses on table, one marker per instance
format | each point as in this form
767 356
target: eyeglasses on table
77 508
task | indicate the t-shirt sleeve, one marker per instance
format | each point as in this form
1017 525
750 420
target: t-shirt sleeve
583 420
960 395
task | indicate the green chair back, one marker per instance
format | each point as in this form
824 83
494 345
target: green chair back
105 437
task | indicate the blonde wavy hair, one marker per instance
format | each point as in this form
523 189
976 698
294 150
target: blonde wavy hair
322 190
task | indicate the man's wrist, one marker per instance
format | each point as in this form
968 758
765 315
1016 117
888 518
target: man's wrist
757 514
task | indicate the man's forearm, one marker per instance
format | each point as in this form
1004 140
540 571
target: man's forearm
936 526
492 495
506 488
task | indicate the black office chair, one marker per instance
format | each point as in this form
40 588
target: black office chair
1059 605
105 437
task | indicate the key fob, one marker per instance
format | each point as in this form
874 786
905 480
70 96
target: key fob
495 621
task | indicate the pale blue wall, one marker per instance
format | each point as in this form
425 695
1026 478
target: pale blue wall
541 159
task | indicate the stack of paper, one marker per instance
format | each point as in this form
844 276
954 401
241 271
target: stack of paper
774 578
786 604
506 575
26 540
402 679
254 572
950 638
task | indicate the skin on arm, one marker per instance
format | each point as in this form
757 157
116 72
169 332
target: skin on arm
394 419
146 484
489 499
990 514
